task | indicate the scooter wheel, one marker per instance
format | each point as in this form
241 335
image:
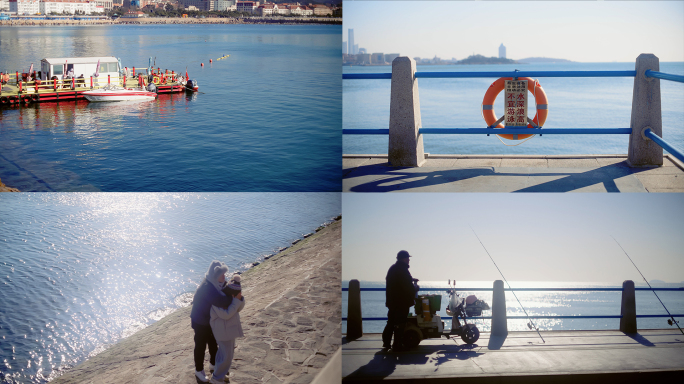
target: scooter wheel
412 337
470 333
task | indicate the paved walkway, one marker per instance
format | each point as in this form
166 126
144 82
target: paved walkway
291 322
567 356
498 173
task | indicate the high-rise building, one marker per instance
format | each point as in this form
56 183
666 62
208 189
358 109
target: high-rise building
350 40
502 51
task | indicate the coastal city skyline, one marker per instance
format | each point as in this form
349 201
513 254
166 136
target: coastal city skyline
577 31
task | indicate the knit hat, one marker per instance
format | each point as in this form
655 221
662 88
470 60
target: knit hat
234 283
216 269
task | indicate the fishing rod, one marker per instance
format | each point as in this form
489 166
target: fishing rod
672 321
530 324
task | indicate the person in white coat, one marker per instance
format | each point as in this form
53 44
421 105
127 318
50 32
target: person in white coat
226 326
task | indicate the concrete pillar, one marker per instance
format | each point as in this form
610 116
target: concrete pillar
354 322
645 113
499 318
628 322
405 144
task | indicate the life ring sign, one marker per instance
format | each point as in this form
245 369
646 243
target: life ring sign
515 105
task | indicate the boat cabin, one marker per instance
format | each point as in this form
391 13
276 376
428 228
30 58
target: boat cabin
86 66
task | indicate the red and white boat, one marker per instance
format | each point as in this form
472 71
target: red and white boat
112 92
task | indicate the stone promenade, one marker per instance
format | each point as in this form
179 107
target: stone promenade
515 173
291 321
649 356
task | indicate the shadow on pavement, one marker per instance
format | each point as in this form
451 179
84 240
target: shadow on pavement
640 339
404 178
384 363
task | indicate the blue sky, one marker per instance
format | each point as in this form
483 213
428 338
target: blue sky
586 31
532 237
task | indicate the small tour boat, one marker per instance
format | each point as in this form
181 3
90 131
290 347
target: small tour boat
112 92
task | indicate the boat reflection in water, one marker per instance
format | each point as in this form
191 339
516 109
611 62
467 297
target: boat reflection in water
82 115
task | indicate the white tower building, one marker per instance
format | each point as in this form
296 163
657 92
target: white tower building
502 51
350 41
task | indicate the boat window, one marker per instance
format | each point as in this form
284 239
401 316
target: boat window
103 67
57 70
113 67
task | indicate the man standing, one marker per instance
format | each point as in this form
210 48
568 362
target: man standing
400 297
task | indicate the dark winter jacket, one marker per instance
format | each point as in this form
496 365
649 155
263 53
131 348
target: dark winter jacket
206 296
399 293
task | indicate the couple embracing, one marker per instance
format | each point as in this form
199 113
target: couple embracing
216 320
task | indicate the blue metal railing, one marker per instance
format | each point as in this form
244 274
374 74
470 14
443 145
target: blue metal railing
495 131
668 147
612 289
664 76
522 131
441 75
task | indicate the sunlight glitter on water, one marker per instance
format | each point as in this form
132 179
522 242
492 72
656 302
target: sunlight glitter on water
81 271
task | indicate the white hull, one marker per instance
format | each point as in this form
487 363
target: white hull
99 98
115 93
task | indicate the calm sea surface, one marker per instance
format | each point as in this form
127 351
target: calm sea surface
80 271
455 103
539 303
267 119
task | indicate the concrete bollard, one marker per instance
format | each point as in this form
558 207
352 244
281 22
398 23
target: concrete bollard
645 113
354 322
499 318
405 144
628 322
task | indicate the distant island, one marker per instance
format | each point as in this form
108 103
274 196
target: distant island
479 59
364 58
543 60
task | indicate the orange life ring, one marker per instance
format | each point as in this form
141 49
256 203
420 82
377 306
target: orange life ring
156 80
533 86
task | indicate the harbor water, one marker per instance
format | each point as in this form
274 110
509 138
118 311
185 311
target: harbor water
267 118
455 103
80 271
539 303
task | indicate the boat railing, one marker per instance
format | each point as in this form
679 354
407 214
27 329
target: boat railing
627 316
406 143
25 84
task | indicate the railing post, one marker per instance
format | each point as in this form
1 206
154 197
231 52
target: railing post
405 144
499 318
645 113
354 322
628 322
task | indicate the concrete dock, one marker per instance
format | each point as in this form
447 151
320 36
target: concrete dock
515 173
566 357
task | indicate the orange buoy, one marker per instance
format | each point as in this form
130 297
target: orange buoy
497 86
210 60
203 64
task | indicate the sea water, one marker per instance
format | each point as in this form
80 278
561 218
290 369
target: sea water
267 118
80 271
602 102
539 303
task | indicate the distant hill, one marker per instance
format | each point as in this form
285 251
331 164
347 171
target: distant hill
543 60
479 59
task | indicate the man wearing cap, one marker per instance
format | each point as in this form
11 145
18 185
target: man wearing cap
400 297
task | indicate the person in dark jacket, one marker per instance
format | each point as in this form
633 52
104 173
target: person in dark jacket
400 297
208 293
